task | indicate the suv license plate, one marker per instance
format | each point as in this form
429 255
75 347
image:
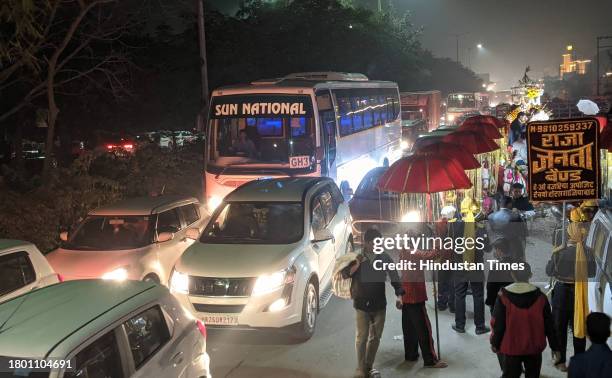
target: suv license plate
220 319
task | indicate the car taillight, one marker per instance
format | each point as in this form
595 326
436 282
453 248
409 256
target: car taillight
110 146
60 278
201 327
128 146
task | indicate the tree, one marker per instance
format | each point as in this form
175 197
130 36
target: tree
54 45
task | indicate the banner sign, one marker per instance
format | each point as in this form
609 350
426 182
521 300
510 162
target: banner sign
261 106
563 159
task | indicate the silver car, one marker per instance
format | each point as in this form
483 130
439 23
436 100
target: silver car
138 239
96 328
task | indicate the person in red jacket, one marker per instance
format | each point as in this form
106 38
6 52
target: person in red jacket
416 326
521 323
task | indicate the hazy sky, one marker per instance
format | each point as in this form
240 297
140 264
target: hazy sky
514 33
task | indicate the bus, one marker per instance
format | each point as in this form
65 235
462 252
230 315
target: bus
458 105
338 125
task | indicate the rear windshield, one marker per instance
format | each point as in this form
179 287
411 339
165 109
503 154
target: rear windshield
112 233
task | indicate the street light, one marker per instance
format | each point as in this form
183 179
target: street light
479 46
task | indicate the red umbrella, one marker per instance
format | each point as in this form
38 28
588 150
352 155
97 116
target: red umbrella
424 174
497 122
477 125
605 137
448 150
473 142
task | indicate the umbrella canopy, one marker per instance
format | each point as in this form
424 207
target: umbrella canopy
473 142
477 125
448 150
424 174
587 107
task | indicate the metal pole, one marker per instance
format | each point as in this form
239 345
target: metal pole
203 65
435 295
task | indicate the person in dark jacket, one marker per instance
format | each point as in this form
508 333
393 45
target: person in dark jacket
518 126
596 362
474 280
519 201
369 301
508 224
521 322
561 267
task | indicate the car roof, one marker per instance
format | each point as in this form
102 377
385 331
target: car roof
6 244
287 189
143 205
40 320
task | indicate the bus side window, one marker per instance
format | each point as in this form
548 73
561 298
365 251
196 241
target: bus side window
346 121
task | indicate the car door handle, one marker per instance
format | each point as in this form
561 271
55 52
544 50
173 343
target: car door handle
177 359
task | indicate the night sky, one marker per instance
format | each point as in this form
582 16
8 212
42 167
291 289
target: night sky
514 33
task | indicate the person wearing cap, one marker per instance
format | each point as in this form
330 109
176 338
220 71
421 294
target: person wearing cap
570 267
520 202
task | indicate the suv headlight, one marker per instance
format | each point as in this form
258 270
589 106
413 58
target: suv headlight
119 274
179 283
270 282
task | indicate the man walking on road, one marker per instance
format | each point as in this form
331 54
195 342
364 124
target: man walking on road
370 302
521 322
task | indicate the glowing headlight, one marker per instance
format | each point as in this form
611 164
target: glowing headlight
214 202
412 216
179 283
271 282
404 145
119 274
451 117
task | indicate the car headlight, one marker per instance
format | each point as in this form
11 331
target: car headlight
119 274
271 282
412 217
451 117
179 283
214 202
404 145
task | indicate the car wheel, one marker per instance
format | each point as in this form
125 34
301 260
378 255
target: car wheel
310 309
151 278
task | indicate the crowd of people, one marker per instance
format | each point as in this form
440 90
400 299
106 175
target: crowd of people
523 319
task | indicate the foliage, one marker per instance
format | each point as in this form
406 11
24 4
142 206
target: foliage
93 180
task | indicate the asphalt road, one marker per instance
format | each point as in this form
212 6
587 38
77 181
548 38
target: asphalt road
330 353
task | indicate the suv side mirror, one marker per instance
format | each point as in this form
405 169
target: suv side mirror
63 236
164 237
192 233
322 235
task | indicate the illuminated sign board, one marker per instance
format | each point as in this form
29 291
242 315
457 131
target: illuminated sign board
261 106
563 160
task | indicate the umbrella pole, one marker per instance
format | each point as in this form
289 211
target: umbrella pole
435 295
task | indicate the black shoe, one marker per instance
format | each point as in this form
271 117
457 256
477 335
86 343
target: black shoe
442 307
482 330
451 310
458 329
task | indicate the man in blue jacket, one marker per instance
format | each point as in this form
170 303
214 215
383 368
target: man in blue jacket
596 362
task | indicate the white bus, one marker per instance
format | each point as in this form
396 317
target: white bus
309 124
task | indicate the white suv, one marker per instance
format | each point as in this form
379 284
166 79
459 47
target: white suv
267 255
137 238
22 268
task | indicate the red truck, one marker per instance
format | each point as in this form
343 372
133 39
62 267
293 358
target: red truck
420 114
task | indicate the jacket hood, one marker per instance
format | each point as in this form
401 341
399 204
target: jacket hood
521 294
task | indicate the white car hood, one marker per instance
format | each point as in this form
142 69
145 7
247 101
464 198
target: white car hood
236 260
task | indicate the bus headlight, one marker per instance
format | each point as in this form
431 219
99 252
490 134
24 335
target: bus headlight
214 202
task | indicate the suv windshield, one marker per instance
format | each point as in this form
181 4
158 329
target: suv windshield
113 233
256 223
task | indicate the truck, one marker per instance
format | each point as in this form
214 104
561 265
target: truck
420 112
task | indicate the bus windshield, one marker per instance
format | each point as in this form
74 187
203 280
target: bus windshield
461 100
272 133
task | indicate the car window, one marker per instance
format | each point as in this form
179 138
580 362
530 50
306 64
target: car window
190 214
337 195
599 241
168 221
329 206
147 332
113 232
16 271
99 359
318 216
